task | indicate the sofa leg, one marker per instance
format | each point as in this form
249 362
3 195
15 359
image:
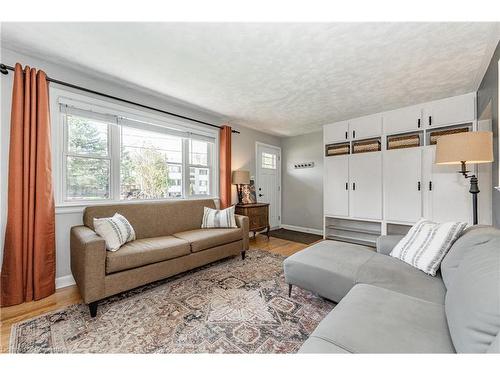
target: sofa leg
93 309
243 255
290 290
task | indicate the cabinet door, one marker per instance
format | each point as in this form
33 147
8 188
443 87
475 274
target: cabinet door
454 110
365 174
365 127
335 189
403 119
447 196
403 185
336 132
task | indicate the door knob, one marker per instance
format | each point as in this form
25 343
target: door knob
261 195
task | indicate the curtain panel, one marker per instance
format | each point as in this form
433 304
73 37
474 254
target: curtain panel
225 166
28 268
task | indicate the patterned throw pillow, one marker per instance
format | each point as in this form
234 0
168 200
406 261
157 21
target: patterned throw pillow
426 244
115 230
218 218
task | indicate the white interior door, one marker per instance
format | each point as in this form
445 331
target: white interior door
336 185
365 173
403 184
268 189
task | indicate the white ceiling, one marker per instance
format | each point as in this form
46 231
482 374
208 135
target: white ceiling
285 79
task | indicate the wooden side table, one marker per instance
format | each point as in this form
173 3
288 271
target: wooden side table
258 215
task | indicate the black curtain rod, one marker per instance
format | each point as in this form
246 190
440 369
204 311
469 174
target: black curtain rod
4 69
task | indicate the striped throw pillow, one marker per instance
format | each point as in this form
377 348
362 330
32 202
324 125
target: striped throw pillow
115 230
218 218
426 244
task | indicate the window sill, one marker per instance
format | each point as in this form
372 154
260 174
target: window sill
77 207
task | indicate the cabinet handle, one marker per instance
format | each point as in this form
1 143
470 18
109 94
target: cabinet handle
354 133
347 186
353 186
430 120
418 123
418 186
430 185
346 135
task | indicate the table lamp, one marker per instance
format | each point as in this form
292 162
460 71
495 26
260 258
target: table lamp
466 148
239 178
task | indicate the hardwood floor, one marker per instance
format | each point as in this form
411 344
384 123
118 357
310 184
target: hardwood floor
68 296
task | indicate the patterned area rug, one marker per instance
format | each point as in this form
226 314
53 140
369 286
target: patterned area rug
231 306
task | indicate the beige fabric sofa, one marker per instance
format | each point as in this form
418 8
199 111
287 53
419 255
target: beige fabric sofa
168 241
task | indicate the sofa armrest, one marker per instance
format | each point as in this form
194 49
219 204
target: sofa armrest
88 262
385 244
243 223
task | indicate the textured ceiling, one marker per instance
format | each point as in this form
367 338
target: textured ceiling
285 79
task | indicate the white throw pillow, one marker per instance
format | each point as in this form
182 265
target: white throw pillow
115 230
426 244
218 218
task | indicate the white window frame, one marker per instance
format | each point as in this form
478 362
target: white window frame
107 107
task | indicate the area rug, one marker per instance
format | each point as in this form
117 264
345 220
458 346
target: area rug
293 235
232 306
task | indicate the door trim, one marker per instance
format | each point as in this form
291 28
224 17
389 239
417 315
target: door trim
257 144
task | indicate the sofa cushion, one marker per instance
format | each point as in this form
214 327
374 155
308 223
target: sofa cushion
146 251
473 236
154 219
393 274
328 268
201 239
376 320
473 298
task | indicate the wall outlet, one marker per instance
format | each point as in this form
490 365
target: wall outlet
308 164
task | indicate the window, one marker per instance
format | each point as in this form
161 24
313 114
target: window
199 167
147 163
87 159
268 161
113 158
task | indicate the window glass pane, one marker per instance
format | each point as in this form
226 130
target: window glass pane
87 178
198 152
268 161
87 137
199 181
145 172
174 181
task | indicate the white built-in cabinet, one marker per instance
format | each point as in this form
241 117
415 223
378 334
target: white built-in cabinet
446 193
365 127
336 132
336 182
367 192
365 180
457 109
403 185
402 120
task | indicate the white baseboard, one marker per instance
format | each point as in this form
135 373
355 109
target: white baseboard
302 229
64 281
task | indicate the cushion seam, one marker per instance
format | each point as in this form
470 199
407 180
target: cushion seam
334 343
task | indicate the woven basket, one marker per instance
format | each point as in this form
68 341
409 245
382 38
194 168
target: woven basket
366 146
439 133
403 141
340 149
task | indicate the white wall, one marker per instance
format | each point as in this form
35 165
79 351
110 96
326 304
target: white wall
302 193
243 150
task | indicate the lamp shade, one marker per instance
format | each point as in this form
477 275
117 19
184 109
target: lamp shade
469 147
241 177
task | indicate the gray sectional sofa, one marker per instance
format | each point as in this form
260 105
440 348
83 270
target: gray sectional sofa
388 306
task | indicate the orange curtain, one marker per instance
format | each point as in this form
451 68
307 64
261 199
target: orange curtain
28 268
225 166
